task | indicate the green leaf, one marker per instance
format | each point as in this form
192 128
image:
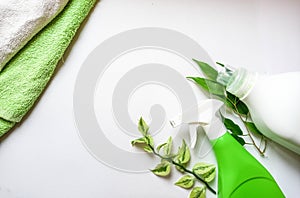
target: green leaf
186 181
209 176
149 140
167 146
203 168
242 108
148 149
179 168
208 70
183 156
239 139
235 103
233 127
163 169
160 146
143 127
198 192
141 140
144 142
251 127
206 171
210 86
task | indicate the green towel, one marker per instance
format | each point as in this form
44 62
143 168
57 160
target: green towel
27 74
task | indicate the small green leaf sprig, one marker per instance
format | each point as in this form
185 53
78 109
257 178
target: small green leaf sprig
202 172
233 103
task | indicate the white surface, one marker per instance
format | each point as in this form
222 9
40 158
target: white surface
44 157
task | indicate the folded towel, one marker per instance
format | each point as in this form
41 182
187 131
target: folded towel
26 75
20 20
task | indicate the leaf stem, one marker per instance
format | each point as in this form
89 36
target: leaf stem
261 152
199 178
169 159
250 136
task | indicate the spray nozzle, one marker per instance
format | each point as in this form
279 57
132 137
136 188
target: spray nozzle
203 115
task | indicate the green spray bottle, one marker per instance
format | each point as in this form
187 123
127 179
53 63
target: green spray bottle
240 175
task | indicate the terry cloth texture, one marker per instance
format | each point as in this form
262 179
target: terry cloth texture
26 75
20 20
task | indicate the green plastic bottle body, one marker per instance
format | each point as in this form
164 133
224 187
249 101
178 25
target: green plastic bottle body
240 174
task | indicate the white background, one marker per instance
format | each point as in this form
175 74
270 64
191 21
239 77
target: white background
44 156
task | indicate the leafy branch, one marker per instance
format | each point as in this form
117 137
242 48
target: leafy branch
202 172
232 102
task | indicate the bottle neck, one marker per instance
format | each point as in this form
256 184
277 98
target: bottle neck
240 82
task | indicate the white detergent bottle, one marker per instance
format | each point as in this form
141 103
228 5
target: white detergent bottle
273 102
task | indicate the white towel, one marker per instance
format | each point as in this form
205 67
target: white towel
20 20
